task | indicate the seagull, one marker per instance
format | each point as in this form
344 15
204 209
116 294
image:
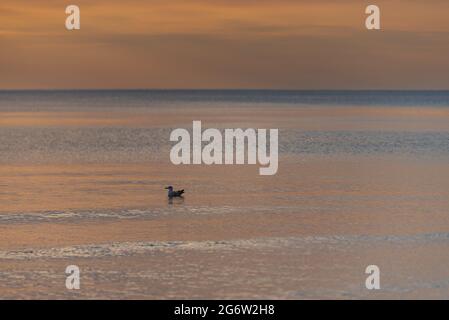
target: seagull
172 194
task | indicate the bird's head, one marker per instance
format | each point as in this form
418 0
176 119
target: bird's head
169 188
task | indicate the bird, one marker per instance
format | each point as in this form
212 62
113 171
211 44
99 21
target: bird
173 194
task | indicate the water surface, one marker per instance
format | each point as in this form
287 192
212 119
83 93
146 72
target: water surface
363 179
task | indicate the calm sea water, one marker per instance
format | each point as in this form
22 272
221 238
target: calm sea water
363 179
41 100
140 142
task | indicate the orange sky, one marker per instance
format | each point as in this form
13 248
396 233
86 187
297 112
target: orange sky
286 44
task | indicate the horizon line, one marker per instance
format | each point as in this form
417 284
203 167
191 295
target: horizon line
221 89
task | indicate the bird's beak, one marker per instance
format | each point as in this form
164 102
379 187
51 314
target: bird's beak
166 188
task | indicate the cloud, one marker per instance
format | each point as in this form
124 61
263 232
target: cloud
290 44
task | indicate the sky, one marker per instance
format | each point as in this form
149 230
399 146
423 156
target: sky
228 44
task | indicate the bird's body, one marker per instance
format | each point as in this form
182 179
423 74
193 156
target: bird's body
174 194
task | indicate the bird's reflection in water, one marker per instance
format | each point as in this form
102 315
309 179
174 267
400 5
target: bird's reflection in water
177 200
